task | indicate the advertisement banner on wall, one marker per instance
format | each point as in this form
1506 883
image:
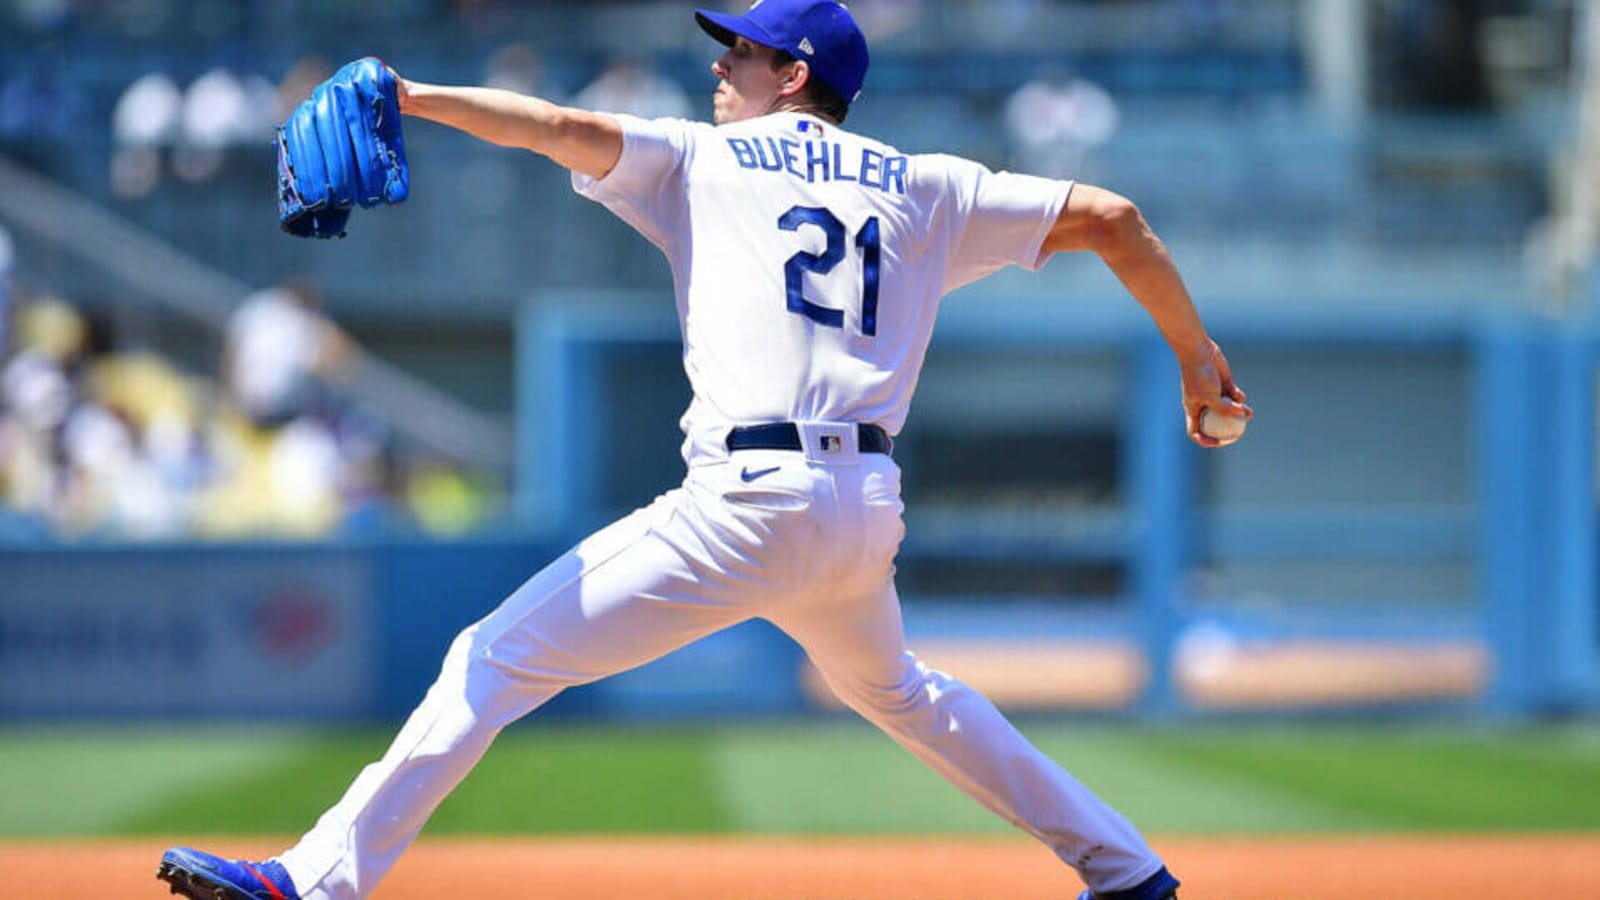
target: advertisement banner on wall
215 633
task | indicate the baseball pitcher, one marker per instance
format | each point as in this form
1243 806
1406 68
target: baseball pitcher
808 264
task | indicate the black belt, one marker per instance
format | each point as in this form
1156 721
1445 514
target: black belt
786 436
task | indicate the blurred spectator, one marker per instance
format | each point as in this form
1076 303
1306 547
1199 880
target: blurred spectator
278 346
144 123
302 469
212 109
105 487
1055 123
222 110
627 86
149 493
443 500
290 481
288 472
51 338
37 393
148 112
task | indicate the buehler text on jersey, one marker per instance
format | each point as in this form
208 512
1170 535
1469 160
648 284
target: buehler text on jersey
813 161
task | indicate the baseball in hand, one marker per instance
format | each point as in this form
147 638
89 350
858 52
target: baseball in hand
1217 426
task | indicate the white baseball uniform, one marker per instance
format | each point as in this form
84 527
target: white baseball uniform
808 264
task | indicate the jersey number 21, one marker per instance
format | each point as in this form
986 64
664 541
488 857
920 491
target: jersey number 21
802 262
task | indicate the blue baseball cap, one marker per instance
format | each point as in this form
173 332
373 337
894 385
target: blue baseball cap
821 32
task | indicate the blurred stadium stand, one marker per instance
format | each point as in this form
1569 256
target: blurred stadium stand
1222 135
1350 187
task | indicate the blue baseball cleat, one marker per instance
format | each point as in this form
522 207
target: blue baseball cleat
200 876
1160 886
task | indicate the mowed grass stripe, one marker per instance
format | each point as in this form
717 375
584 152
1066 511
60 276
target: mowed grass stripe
87 782
1460 780
832 777
538 779
532 780
828 777
1130 769
283 796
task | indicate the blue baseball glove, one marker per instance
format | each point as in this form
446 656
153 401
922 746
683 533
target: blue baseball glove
341 146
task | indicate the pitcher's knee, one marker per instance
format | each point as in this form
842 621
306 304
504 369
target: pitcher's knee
492 688
915 687
477 654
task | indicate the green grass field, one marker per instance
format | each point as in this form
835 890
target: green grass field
809 777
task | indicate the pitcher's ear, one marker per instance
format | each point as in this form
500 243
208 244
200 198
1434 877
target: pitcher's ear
799 76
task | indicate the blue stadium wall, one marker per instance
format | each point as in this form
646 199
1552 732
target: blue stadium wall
1420 488
320 632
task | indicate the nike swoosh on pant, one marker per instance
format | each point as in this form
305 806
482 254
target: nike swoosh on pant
746 475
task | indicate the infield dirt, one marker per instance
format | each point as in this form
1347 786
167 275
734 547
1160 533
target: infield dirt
1393 867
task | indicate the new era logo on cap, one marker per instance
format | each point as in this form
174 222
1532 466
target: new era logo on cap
805 45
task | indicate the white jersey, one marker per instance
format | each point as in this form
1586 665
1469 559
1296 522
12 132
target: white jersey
809 274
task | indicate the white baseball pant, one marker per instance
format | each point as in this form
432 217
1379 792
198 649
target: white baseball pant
808 545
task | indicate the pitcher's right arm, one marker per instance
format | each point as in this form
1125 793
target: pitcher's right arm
1112 226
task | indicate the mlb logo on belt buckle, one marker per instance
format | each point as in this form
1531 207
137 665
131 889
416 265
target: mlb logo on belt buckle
831 443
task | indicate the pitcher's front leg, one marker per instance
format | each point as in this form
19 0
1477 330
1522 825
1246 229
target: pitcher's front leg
625 596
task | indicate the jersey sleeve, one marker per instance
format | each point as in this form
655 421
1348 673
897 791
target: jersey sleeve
646 188
999 218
